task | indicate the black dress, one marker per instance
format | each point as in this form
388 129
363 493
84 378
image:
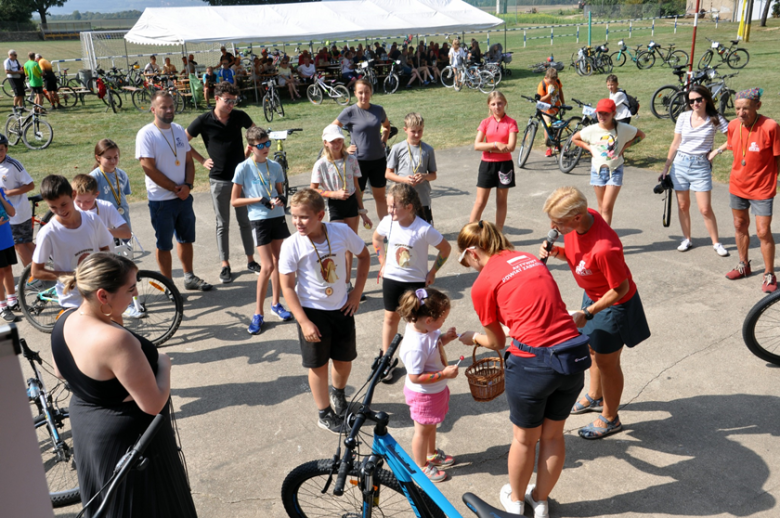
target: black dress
104 427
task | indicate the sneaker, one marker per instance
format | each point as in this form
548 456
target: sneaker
740 272
540 508
133 312
685 245
720 250
331 422
195 283
548 152
768 286
441 459
280 312
7 315
257 323
434 474
338 401
253 267
35 284
225 275
511 506
15 307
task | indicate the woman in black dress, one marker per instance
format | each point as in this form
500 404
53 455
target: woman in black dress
119 383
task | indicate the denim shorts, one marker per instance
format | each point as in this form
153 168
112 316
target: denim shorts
618 325
172 217
691 173
602 177
757 207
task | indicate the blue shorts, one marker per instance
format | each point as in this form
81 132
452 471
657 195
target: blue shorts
172 217
618 325
602 177
691 173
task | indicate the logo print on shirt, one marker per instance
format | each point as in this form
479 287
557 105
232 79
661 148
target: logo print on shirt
328 271
403 257
754 147
582 269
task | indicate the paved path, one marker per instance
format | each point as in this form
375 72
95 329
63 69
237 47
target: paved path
700 412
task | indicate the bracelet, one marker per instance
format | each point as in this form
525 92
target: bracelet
362 211
719 151
588 314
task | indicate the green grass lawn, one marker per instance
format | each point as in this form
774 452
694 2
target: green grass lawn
451 117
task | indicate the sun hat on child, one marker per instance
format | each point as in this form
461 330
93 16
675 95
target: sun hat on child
332 132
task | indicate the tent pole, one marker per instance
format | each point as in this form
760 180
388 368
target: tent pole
505 49
127 60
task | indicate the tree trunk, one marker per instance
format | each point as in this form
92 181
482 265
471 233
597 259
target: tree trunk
765 14
42 13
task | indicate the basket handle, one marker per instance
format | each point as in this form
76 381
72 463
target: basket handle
474 355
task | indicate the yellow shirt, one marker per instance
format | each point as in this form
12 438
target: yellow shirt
45 65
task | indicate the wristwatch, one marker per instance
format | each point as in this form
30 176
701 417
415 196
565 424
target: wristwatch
362 211
189 185
588 314
719 151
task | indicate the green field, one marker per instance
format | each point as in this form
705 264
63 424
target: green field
451 117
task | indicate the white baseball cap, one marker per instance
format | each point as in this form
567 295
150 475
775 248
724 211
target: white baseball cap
332 132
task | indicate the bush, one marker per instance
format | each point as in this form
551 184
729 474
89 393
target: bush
776 10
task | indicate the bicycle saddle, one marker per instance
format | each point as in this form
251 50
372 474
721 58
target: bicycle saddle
482 509
734 41
680 67
65 70
35 199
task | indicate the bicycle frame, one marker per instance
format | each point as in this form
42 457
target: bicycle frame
326 88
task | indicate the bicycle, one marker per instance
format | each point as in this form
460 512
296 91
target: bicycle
672 57
571 154
620 57
366 71
107 91
363 487
760 329
659 105
733 56
331 88
280 157
722 96
53 430
558 131
142 98
542 66
471 76
393 79
271 101
35 132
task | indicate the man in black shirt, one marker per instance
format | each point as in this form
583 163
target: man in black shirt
222 132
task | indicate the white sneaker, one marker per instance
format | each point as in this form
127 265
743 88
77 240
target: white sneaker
720 250
511 506
685 245
540 508
132 312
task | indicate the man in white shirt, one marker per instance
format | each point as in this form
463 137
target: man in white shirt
15 73
166 158
307 70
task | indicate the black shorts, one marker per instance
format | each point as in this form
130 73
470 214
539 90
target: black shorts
7 257
500 175
393 290
536 392
266 230
17 83
339 210
617 325
338 340
427 215
627 120
373 171
23 232
37 89
50 82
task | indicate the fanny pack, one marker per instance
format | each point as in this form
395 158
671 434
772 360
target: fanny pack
569 357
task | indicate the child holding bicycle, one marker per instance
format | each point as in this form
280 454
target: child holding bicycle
550 91
425 389
113 184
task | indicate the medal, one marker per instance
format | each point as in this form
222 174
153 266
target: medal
328 291
115 192
121 211
178 163
266 186
741 145
323 270
743 162
173 147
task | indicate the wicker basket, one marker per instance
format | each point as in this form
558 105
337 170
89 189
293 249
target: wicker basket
486 377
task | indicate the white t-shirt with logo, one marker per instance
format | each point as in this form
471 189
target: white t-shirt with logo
152 142
67 247
420 353
12 176
607 144
298 256
407 248
108 215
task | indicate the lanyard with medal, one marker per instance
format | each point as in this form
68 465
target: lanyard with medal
266 186
323 271
173 147
411 159
744 150
116 191
343 177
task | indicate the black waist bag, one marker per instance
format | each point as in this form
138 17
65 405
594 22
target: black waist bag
569 357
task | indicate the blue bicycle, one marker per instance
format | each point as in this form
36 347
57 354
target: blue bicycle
363 488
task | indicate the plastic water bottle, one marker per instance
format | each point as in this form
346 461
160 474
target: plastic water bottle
33 391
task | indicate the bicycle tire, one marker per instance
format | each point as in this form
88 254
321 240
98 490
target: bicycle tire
314 94
494 69
268 108
618 58
58 459
487 82
13 130
7 88
68 97
677 58
586 67
448 77
37 135
178 101
390 84
659 105
526 144
142 100
343 97
738 59
39 305
677 105
605 64
761 330
278 105
565 135
645 60
115 101
705 60
726 101
162 305
302 491
74 83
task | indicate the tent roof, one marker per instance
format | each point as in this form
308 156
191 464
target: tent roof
306 21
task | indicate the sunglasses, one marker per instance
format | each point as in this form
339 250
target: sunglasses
463 253
229 102
266 144
695 100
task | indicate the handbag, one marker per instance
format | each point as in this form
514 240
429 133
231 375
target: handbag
569 357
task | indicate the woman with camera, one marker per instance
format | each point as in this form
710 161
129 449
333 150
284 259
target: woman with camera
689 163
612 314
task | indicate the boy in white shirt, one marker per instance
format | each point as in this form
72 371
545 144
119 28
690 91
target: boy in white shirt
17 182
86 189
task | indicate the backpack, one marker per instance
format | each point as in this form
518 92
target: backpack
633 104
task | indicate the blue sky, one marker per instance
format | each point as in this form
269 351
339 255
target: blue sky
108 6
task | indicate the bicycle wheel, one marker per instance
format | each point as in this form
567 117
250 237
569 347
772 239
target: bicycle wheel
37 134
342 95
391 83
68 97
74 83
115 101
605 64
58 459
448 77
526 144
7 88
677 105
161 305
726 101
494 69
678 57
645 60
618 58
570 154
761 330
487 82
38 300
278 104
268 108
586 67
738 59
12 130
142 100
302 494
314 94
178 101
705 60
661 99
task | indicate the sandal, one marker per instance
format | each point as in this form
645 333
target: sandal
597 432
594 405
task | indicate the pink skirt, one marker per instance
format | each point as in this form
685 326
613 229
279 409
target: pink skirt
428 408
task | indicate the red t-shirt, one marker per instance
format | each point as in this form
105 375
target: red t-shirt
596 260
517 290
757 179
497 131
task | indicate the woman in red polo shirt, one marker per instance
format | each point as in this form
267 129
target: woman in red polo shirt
612 313
496 138
517 290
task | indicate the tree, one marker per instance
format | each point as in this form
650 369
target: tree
76 15
42 7
15 11
765 13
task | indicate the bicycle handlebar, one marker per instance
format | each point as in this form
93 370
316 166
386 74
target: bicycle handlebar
579 102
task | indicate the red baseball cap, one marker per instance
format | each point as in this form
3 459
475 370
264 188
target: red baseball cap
606 105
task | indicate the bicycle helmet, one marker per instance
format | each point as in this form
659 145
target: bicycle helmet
3 140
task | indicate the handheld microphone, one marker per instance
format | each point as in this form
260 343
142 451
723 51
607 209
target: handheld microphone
552 235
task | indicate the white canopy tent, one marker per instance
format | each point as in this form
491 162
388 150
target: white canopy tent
282 23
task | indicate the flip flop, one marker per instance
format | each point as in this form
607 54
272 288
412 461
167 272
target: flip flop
593 432
594 405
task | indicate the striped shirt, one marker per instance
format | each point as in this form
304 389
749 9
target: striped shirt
698 141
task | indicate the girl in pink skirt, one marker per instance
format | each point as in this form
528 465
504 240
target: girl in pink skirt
427 395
